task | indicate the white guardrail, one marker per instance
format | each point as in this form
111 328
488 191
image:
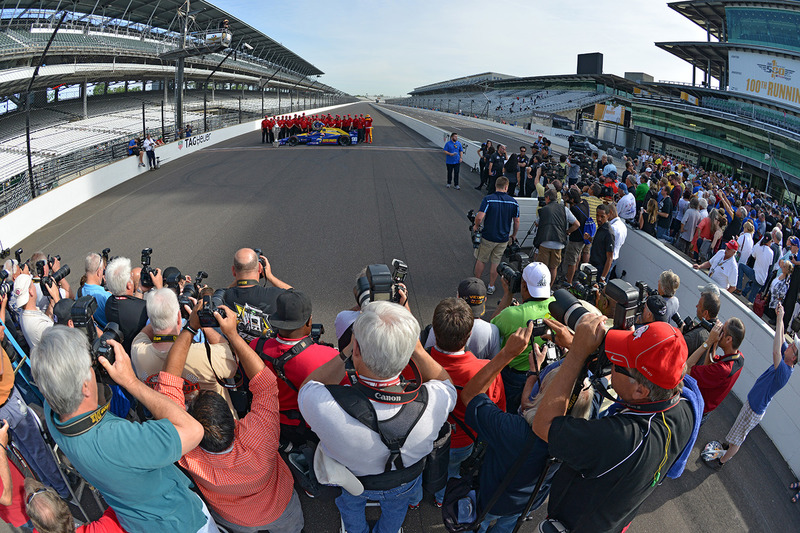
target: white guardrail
644 258
28 218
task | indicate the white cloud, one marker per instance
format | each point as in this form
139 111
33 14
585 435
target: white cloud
391 47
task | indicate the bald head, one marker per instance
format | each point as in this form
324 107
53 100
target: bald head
245 264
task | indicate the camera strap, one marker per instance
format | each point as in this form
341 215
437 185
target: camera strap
224 384
402 392
164 338
278 363
85 422
246 282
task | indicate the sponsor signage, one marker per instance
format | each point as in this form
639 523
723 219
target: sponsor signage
766 76
196 140
609 113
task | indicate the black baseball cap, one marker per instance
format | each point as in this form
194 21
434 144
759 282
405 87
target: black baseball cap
62 311
658 306
473 291
293 309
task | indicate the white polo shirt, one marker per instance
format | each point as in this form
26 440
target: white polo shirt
724 272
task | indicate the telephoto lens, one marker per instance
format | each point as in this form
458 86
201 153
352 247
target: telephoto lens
566 308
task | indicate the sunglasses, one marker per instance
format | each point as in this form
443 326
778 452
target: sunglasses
28 501
622 370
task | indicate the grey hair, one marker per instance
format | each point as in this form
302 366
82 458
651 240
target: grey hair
92 263
387 334
118 274
669 283
657 394
60 364
163 309
777 235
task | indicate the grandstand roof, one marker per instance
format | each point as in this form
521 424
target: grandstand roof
609 80
710 14
163 15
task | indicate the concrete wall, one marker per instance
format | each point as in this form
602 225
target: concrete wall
644 258
26 219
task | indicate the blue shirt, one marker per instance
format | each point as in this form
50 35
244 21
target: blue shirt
454 148
767 386
101 295
131 146
132 467
500 210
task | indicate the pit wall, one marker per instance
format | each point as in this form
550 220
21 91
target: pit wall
28 218
644 258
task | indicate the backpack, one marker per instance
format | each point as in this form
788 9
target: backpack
590 227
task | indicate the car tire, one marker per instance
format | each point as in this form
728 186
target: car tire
344 140
292 141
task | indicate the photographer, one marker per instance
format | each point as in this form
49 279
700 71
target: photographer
236 466
32 321
716 375
707 309
95 271
386 336
122 307
42 297
130 464
577 251
292 321
556 222
535 292
610 465
497 212
655 310
245 293
601 254
573 169
495 167
206 363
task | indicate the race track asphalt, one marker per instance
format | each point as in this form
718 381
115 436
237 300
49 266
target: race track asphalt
321 214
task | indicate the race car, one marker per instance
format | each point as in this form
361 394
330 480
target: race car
324 135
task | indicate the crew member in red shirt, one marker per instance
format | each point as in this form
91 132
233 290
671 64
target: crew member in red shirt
715 374
452 326
265 129
292 320
347 123
368 129
361 125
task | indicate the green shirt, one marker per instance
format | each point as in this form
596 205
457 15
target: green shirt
641 191
512 318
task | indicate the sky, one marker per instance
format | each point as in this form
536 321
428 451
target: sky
383 47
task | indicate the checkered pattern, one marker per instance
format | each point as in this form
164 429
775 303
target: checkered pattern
745 422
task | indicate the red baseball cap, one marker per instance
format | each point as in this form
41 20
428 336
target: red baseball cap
657 350
732 245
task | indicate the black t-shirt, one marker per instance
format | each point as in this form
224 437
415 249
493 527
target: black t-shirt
609 465
253 305
665 207
733 229
498 162
581 212
602 243
131 315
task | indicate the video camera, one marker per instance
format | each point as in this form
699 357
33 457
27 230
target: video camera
146 278
380 284
511 270
210 304
474 235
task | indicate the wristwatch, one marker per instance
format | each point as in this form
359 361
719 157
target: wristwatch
705 345
190 329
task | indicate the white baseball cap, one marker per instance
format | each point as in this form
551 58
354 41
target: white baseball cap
537 278
21 286
648 169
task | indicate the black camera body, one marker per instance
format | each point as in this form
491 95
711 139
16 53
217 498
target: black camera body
54 278
101 347
191 290
146 278
584 285
261 261
6 286
511 270
210 304
627 299
81 314
381 284
539 327
689 323
475 236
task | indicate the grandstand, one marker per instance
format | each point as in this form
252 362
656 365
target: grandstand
110 75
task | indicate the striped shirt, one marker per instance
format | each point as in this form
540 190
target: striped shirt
248 485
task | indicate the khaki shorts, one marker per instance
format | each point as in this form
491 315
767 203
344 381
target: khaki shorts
572 253
550 257
490 252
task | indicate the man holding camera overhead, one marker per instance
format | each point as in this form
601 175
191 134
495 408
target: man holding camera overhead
535 291
610 465
130 464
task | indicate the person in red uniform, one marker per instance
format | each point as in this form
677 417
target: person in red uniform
292 320
361 126
265 129
452 326
347 123
715 374
368 129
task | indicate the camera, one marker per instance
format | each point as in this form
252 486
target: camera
317 331
101 347
380 284
104 254
399 271
6 286
584 283
191 290
55 277
261 261
146 278
18 255
539 327
81 315
475 235
51 259
628 303
689 323
511 270
210 304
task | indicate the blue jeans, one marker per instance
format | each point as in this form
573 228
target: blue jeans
752 287
513 383
394 505
504 524
457 456
662 234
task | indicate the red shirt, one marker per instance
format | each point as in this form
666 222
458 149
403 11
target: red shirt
368 122
249 484
107 523
14 514
296 370
715 381
462 366
265 124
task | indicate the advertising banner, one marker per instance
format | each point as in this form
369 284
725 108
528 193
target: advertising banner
766 76
609 113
